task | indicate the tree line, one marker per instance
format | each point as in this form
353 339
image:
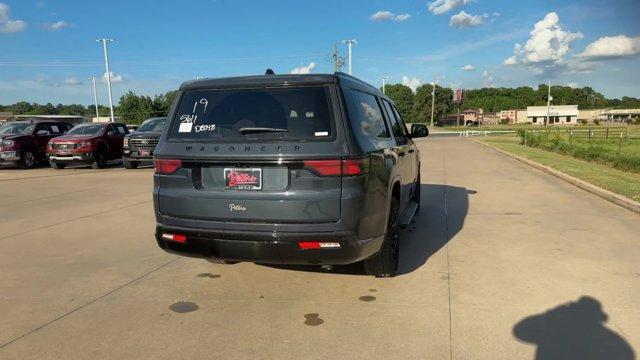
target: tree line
414 106
131 109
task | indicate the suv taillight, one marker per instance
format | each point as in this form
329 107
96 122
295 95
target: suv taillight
166 166
346 167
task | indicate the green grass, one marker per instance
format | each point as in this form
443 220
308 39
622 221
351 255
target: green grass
617 181
621 154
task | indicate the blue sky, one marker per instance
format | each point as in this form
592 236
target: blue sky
49 49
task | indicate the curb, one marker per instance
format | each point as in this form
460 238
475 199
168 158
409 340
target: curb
605 194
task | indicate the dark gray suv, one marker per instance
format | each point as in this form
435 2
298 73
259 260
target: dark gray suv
286 169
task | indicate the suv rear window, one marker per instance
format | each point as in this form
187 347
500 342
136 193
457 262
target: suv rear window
301 113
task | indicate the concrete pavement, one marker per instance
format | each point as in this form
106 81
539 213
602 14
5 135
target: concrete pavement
502 261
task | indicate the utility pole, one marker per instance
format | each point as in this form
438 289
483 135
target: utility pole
384 79
549 98
350 44
433 99
95 96
337 60
106 64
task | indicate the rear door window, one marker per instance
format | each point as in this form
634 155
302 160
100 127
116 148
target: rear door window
396 126
366 119
301 113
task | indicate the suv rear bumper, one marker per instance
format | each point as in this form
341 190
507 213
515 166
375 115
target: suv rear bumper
269 247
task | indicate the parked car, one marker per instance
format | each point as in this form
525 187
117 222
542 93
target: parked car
90 143
24 142
139 145
288 169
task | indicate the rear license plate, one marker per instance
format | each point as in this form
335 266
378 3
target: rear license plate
145 152
243 178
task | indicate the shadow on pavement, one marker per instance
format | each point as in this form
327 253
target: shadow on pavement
442 213
574 330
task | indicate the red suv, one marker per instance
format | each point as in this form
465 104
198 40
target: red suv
24 142
90 143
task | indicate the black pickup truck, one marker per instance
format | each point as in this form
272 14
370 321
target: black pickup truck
139 145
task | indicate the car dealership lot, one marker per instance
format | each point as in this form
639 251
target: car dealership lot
495 242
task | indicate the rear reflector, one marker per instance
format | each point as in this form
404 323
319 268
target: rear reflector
309 245
174 237
347 167
166 166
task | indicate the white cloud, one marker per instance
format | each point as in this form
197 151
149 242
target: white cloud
468 68
388 15
439 7
510 60
8 25
462 20
58 25
548 42
612 46
304 69
115 78
488 79
73 81
572 85
412 83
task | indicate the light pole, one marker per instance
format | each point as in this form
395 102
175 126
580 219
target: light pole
549 98
350 44
106 64
95 96
433 99
384 83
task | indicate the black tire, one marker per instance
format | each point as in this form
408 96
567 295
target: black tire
129 164
385 262
57 165
27 160
225 262
99 159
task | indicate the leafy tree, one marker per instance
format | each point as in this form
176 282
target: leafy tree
422 103
133 108
402 96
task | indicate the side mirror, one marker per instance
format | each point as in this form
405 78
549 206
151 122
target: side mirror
42 133
419 130
111 133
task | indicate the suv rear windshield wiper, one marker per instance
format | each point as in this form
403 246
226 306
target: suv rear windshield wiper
249 130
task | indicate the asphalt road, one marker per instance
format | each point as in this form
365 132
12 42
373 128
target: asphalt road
501 262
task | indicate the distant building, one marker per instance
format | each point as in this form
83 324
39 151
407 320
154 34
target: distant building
509 116
558 114
591 115
620 115
71 119
521 116
472 116
491 118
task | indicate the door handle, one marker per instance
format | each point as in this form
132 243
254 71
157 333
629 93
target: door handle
411 151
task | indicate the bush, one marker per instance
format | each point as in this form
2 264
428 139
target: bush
582 121
588 151
504 121
596 122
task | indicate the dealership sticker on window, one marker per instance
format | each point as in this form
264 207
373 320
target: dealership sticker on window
186 123
321 133
55 128
199 128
